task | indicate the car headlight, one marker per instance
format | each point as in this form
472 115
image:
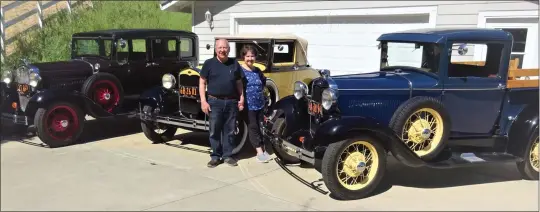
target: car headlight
168 81
300 89
7 76
34 79
329 97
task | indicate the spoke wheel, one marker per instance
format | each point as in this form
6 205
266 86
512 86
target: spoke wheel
59 124
533 155
423 131
529 166
106 94
353 168
62 122
423 125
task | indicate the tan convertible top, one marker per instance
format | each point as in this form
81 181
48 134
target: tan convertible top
300 43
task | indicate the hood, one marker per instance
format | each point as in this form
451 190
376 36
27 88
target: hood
71 68
388 79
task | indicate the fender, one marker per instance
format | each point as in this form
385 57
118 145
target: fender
42 99
295 113
522 128
338 129
155 98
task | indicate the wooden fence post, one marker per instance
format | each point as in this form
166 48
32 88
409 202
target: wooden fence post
2 29
68 2
40 14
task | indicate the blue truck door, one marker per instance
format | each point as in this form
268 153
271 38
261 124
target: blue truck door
474 90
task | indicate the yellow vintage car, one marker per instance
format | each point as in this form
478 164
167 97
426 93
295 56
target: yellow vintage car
176 104
282 58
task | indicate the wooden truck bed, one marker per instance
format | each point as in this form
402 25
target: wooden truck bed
517 78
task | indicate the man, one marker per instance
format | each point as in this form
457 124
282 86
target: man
223 75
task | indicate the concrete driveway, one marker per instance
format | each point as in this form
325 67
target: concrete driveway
117 168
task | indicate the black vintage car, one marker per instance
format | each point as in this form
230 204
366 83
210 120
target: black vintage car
104 78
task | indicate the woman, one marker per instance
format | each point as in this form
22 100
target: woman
254 83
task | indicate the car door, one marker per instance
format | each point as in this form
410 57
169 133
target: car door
137 65
474 89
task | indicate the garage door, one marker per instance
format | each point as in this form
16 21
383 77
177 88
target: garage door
342 44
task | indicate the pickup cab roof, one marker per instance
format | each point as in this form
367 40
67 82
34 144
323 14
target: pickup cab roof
441 35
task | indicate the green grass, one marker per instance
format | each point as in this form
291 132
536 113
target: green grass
53 42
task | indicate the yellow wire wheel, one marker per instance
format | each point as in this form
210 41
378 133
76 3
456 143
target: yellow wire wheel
353 168
423 131
533 155
357 165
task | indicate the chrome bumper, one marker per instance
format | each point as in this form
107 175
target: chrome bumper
186 123
14 118
291 149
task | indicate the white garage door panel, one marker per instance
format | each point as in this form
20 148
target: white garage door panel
344 45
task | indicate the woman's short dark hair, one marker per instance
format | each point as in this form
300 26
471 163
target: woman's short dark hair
248 48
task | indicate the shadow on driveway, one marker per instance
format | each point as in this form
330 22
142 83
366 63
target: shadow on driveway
94 130
398 174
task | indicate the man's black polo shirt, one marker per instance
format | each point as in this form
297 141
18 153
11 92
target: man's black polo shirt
221 77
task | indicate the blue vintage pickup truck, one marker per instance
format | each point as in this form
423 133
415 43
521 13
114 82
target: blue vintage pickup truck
442 98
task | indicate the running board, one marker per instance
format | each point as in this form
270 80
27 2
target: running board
470 159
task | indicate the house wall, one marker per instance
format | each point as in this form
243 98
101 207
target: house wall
449 13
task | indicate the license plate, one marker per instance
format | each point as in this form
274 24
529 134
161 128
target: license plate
189 91
23 88
314 108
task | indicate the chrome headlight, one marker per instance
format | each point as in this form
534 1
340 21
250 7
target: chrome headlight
300 89
168 81
7 76
34 79
329 98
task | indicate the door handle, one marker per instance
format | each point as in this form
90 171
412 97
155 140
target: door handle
151 64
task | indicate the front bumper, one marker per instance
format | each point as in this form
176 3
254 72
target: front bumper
183 122
11 118
291 149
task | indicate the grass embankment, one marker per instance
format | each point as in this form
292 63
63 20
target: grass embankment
53 42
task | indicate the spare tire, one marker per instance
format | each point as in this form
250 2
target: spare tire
423 124
105 90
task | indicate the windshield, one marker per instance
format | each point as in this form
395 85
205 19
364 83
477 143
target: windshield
92 48
262 50
424 56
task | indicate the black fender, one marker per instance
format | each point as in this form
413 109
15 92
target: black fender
42 99
159 97
295 113
341 128
519 135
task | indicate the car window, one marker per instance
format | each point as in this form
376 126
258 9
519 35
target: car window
474 59
284 52
186 47
261 47
139 49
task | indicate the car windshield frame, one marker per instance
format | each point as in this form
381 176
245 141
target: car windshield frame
426 55
259 44
100 49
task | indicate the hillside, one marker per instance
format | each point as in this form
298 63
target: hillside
53 42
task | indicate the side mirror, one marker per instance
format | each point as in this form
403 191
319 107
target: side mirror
122 43
462 49
208 46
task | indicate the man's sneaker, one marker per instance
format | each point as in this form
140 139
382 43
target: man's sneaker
213 163
263 158
231 162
